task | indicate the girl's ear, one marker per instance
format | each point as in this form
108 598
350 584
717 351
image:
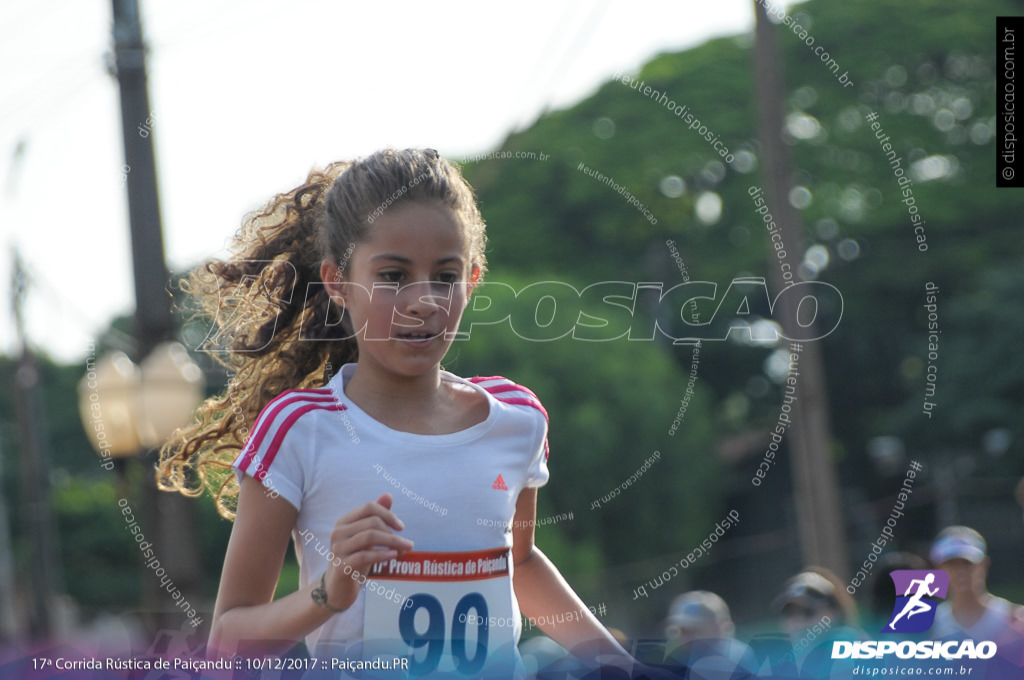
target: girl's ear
332 276
474 279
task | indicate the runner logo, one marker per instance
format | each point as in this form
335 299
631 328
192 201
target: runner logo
914 611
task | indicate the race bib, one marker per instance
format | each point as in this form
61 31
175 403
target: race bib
447 612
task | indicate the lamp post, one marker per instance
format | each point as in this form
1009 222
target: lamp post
128 410
170 516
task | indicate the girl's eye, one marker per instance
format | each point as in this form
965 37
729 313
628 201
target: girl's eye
448 277
391 276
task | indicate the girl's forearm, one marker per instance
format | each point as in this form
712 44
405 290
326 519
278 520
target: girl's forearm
544 595
271 628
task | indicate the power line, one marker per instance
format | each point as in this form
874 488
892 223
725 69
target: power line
575 47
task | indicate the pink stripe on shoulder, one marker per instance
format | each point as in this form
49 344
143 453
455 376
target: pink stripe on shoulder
524 401
479 379
281 431
270 412
505 385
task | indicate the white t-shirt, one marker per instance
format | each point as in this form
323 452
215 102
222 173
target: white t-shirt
454 492
994 624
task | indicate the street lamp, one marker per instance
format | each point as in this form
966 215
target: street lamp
107 407
172 387
127 408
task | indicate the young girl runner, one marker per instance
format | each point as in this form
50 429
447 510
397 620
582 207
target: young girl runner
409 493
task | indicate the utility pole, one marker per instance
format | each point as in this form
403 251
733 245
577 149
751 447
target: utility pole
12 627
35 472
152 319
819 517
169 516
10 630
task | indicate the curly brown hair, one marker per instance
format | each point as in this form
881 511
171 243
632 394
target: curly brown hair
274 326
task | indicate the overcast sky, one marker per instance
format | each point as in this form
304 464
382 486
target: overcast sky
248 95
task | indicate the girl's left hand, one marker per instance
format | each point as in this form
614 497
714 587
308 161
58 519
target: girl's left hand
361 539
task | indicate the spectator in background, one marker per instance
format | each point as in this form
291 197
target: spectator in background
970 610
699 635
882 593
698 615
814 599
814 610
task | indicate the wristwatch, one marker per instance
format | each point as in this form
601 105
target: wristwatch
319 596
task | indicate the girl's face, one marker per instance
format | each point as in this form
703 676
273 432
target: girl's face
406 287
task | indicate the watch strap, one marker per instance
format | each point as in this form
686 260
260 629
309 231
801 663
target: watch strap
319 595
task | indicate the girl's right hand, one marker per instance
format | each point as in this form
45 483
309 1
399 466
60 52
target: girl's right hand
361 539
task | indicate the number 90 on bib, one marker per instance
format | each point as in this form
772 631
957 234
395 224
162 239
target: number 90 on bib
453 616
